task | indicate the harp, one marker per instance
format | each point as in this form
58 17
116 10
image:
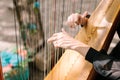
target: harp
53 16
98 34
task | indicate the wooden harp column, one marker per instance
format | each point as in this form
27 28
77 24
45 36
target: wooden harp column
98 34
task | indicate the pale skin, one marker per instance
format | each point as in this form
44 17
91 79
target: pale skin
64 40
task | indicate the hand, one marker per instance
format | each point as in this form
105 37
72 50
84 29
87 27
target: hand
77 19
64 40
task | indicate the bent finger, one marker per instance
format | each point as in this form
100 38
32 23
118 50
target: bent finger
85 14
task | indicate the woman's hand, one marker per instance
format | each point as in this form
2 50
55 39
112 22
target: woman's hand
77 19
64 40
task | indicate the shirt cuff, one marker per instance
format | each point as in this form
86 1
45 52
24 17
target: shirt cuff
91 54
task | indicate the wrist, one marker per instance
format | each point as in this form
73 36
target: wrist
82 49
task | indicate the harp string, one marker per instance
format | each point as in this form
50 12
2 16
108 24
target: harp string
48 51
17 45
32 18
32 43
54 25
57 10
17 42
45 21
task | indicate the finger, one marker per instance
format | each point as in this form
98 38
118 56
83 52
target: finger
55 37
71 24
59 43
76 17
55 34
76 23
55 43
85 14
67 23
70 18
51 39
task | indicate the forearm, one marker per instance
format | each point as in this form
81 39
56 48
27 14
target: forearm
82 48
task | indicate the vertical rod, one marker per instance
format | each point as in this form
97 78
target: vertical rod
1 73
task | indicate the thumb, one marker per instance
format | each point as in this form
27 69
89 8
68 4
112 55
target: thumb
85 14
